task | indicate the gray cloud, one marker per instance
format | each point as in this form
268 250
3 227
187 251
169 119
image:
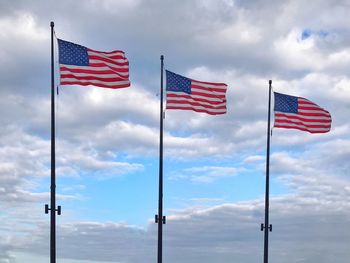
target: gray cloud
243 43
303 230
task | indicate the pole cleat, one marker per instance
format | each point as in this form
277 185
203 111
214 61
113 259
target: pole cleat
262 227
156 219
47 209
59 209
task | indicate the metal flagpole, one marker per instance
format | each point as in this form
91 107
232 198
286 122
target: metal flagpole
267 227
160 219
53 161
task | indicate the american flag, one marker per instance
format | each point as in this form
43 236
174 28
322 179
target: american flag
187 94
83 66
299 113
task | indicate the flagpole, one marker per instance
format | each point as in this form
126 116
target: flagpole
53 160
267 227
160 219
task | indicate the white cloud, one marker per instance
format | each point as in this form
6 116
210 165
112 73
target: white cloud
23 27
204 174
241 43
298 53
254 158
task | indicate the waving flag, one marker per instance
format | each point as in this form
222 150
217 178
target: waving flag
83 66
299 113
187 94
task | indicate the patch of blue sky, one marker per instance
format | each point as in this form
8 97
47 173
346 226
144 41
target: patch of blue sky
318 33
245 186
125 198
238 185
133 197
306 34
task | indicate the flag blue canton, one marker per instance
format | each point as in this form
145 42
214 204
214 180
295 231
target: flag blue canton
177 83
286 103
72 54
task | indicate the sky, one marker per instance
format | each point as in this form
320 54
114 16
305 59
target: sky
214 166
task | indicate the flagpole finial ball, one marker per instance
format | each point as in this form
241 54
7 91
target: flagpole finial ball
161 57
270 81
52 24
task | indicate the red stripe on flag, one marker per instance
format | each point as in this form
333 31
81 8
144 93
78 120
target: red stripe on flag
310 117
114 65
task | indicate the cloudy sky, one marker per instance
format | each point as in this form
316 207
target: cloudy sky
214 166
